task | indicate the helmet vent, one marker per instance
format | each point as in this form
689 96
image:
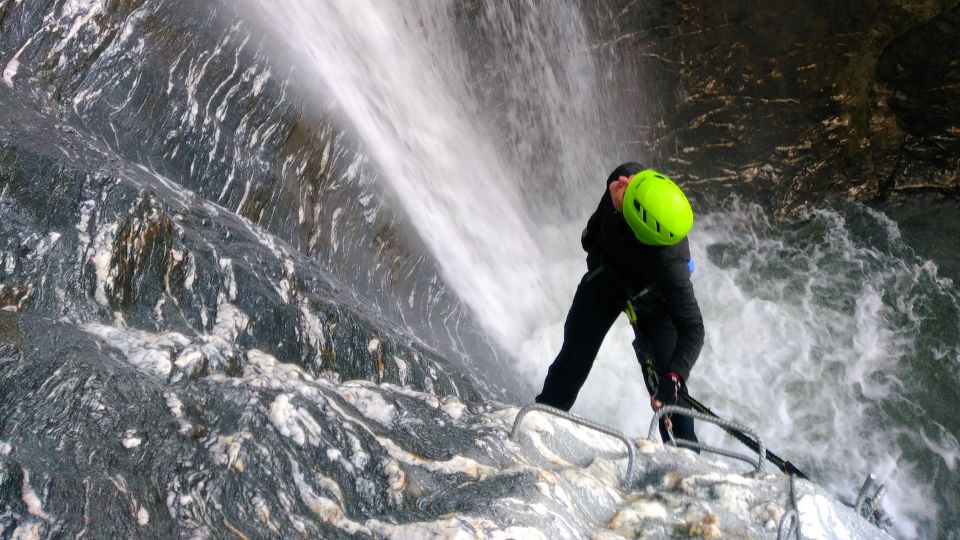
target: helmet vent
644 215
658 226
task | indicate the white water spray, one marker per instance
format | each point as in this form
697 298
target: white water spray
398 73
797 347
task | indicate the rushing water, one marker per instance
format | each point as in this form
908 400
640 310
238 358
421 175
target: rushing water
484 187
830 336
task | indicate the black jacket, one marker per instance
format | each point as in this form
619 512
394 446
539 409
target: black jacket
663 271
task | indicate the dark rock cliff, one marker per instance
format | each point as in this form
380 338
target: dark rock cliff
785 102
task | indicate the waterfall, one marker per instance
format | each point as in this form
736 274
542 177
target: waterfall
493 137
401 76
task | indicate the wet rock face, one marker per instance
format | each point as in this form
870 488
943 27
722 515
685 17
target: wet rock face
784 102
186 95
918 80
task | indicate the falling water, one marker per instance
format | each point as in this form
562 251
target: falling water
493 140
407 87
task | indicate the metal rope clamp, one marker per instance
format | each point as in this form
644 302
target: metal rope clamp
868 503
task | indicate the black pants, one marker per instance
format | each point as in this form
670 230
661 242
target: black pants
596 305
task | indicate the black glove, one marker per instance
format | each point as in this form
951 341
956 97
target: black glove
668 387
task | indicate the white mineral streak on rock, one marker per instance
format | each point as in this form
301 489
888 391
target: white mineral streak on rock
143 517
44 245
359 458
369 402
176 409
9 262
221 111
189 357
174 405
226 449
314 330
336 456
330 486
13 66
195 74
738 498
86 210
262 510
132 442
150 353
373 345
324 508
396 481
30 499
282 416
10 71
467 466
82 12
401 369
334 222
158 309
453 407
231 321
28 531
818 519
101 253
597 479
260 81
263 370
190 273
294 422
5 448
461 527
229 279
246 194
636 512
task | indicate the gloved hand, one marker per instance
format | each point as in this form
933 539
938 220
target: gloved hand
668 388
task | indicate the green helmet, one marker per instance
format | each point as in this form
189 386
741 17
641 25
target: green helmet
656 209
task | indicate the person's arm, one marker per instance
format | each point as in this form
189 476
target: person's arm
677 289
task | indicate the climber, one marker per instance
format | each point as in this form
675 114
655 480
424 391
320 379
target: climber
638 260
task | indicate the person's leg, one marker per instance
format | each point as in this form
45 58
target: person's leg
595 306
654 342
